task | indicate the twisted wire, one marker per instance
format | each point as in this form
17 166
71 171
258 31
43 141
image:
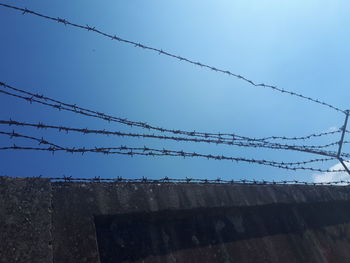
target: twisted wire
59 105
13 134
118 150
168 54
146 151
62 180
84 131
300 138
167 180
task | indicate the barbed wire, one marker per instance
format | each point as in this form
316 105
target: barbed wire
168 54
301 137
71 108
59 105
59 181
13 134
146 151
41 125
276 146
149 152
218 138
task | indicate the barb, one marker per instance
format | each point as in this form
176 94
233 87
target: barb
168 54
59 105
146 151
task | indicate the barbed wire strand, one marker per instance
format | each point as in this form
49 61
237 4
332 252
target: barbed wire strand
60 107
36 98
187 180
146 151
13 134
168 54
64 179
303 148
114 150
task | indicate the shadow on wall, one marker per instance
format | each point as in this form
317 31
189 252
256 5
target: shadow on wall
219 233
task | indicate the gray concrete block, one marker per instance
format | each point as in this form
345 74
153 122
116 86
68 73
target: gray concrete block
25 220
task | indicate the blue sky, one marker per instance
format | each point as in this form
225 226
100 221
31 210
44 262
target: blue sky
300 46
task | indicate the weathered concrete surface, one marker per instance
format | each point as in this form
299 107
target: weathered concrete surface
25 220
200 223
217 235
107 222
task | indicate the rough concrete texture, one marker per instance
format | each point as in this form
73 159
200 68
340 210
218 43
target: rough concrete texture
107 222
25 220
110 222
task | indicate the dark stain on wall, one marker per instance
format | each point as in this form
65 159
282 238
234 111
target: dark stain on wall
135 236
272 223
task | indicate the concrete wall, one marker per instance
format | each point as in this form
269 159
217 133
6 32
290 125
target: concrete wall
109 222
200 223
25 220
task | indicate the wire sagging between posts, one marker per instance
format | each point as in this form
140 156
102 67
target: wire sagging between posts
59 105
168 54
146 151
234 142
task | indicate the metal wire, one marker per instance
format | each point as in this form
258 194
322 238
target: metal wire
275 146
218 138
59 105
41 125
162 52
149 152
60 181
146 151
13 134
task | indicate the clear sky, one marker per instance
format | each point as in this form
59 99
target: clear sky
302 46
